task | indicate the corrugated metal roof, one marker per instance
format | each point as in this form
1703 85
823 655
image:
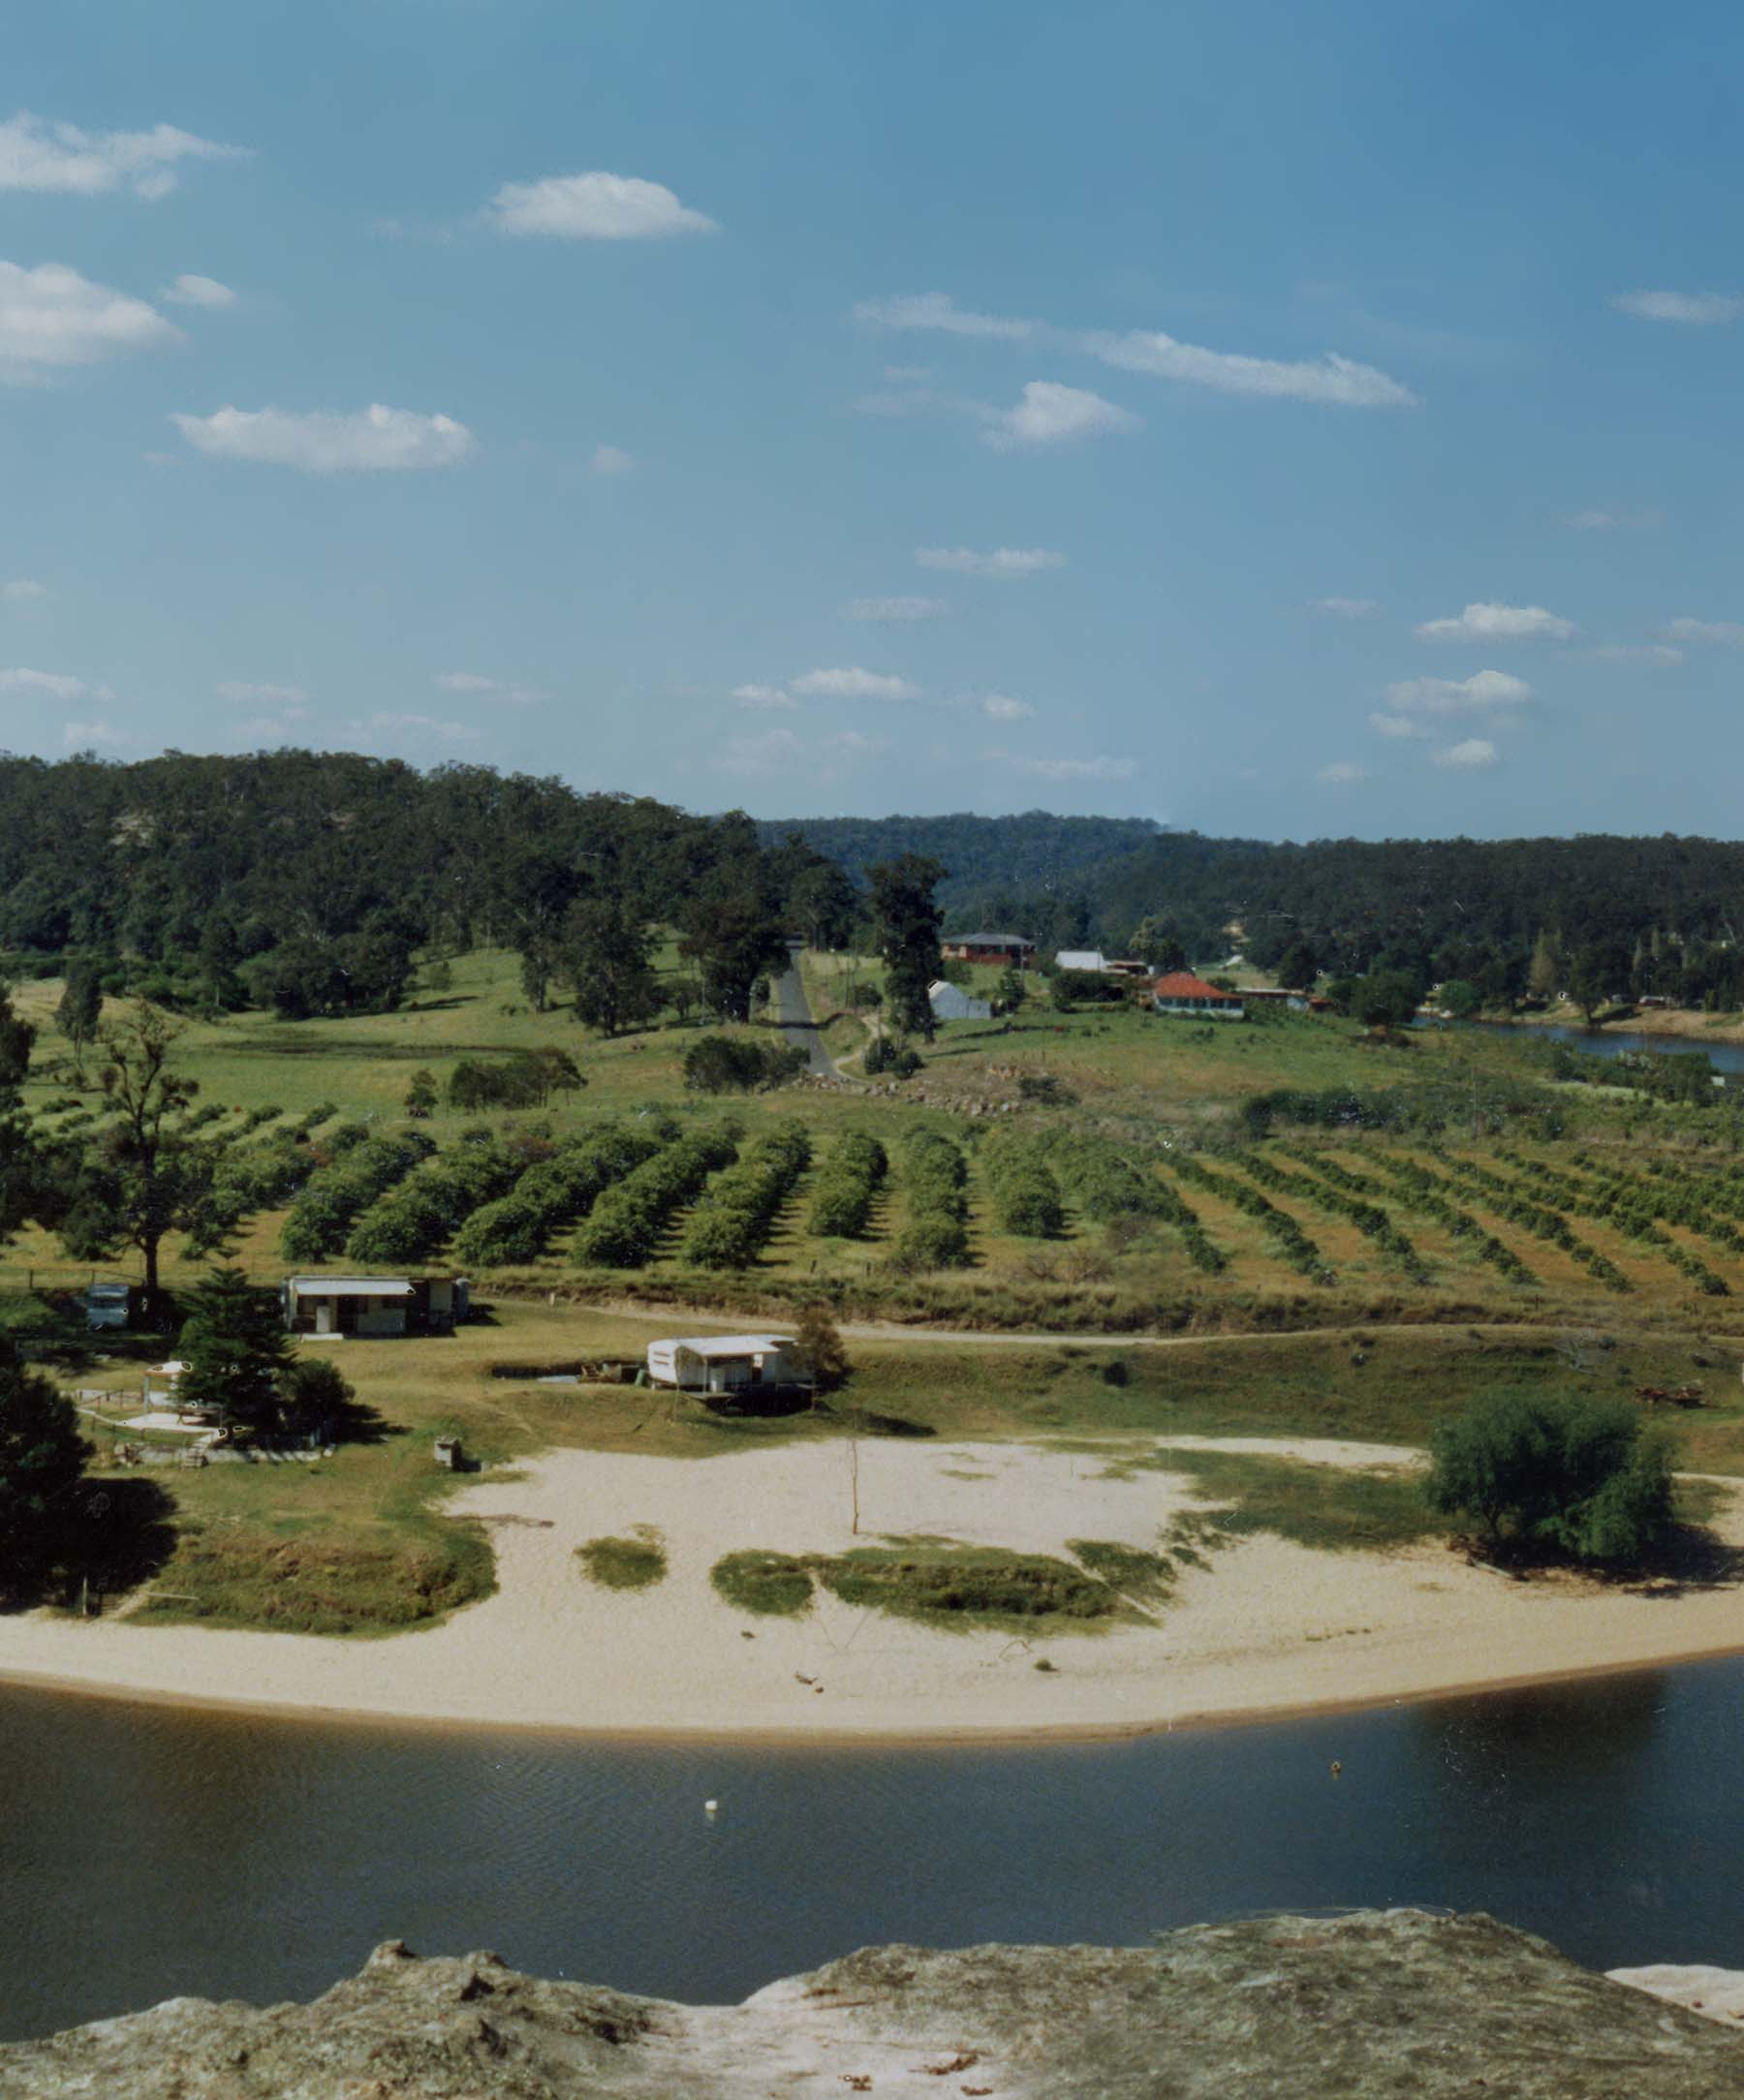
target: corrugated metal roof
724 1345
350 1287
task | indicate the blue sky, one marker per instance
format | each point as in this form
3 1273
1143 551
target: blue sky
1269 419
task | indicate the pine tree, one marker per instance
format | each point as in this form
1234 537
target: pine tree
233 1345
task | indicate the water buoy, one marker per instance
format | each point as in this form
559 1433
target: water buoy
1337 1767
711 1807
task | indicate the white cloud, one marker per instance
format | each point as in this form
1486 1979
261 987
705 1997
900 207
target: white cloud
1456 695
1065 769
1330 379
908 375
1347 609
89 735
1474 755
1611 521
854 744
938 310
610 459
851 683
1398 725
595 206
191 291
1341 773
35 155
375 439
20 589
1491 622
896 608
444 732
1049 413
1730 632
1000 563
53 316
764 697
55 684
1693 309
775 751
1002 707
1622 652
492 689
249 695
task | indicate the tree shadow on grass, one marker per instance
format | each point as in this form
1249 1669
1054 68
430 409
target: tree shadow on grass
116 1534
1691 1559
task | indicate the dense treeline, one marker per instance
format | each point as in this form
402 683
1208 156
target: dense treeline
307 883
1596 917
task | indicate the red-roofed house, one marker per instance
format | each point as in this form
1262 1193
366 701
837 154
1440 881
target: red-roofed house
1181 992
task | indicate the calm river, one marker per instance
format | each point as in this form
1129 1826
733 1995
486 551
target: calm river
145 1852
1725 1057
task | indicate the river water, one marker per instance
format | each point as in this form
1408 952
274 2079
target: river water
146 1852
1725 1057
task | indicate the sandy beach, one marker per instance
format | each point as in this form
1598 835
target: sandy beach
1268 1627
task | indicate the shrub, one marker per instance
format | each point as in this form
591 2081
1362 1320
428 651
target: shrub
625 1223
846 1185
1578 1476
771 1584
549 1195
420 1213
341 1191
739 1064
738 1208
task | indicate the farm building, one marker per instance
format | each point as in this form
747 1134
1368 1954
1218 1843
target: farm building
1005 951
1091 959
1180 992
950 1003
724 1363
373 1304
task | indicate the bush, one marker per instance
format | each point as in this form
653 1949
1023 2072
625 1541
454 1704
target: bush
418 1217
737 1064
738 1209
845 1188
1579 1477
549 1195
626 1223
890 1054
341 1191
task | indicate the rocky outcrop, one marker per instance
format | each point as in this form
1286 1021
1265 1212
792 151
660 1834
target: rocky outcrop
1353 2008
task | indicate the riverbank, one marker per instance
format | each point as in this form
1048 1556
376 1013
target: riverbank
1681 1022
1261 1628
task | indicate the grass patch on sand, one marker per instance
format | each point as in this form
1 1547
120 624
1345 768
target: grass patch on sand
1326 1507
1145 1577
320 1581
945 1585
932 1580
771 1584
636 1562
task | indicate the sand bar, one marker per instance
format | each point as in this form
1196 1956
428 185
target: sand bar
1268 1627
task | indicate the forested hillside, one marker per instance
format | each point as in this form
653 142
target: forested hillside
305 880
1663 912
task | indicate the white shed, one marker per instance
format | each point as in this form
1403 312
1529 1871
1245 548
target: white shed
950 1003
1091 959
723 1363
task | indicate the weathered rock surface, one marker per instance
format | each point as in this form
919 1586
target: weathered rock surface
1361 2007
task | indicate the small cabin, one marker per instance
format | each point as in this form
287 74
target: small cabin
1181 992
108 1305
374 1306
724 1363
